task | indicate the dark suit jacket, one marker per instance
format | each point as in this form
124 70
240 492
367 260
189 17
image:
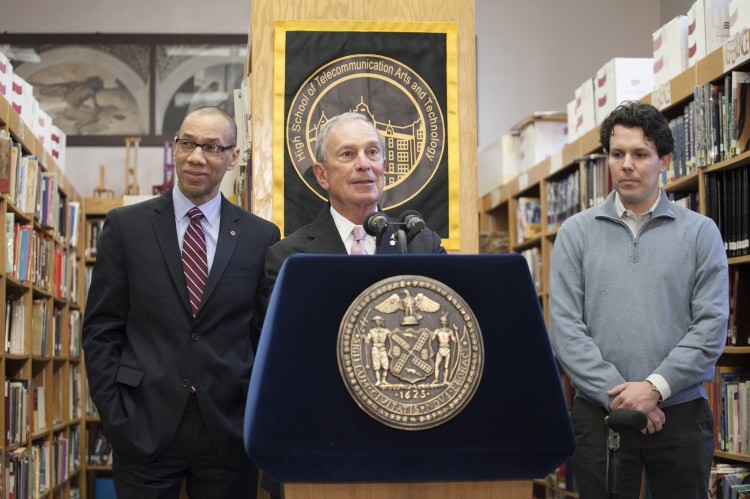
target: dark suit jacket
322 237
144 349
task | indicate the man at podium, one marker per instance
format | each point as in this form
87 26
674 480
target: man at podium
349 163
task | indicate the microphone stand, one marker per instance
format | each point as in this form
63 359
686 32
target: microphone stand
613 463
619 420
401 238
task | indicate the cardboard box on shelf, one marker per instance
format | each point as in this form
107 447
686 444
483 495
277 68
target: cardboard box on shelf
739 16
539 136
670 50
582 111
622 79
708 28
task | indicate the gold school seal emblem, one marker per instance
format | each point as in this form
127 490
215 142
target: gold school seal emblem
410 352
401 106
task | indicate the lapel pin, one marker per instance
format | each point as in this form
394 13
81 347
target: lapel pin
233 233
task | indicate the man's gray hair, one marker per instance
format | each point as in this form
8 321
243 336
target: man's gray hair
325 128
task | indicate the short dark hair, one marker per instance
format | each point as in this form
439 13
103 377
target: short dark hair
219 111
635 114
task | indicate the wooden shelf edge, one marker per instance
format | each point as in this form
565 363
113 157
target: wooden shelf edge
731 163
99 206
688 182
745 458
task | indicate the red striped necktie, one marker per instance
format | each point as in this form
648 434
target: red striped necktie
194 259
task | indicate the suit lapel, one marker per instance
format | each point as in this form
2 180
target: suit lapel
165 229
385 247
323 236
229 234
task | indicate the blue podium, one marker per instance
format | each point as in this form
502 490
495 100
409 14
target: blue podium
305 431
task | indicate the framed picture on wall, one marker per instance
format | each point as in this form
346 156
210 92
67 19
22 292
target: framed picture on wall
100 89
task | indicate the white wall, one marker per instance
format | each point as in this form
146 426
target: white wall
132 16
531 55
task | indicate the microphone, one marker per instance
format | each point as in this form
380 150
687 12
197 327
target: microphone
413 223
626 420
374 223
413 220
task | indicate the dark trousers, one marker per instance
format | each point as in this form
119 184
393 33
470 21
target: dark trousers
191 457
677 459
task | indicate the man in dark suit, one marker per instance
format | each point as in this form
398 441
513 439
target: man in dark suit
169 372
349 165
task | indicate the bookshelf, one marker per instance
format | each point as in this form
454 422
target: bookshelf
97 463
577 162
40 364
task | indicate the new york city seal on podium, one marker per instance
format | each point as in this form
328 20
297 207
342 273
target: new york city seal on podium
410 352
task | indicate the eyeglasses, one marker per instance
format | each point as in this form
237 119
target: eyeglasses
187 146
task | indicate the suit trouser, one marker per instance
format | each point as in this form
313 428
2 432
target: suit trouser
190 456
677 459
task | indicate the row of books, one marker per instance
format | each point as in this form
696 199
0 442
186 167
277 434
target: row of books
33 473
75 328
528 218
687 200
15 330
31 256
598 182
15 325
19 248
683 155
74 393
39 326
16 411
729 396
74 221
713 127
100 450
40 469
88 273
17 474
74 447
90 409
728 204
93 229
533 258
32 190
57 332
62 458
64 275
564 196
563 199
738 331
38 405
728 481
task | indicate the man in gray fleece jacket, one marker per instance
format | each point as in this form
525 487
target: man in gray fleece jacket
638 318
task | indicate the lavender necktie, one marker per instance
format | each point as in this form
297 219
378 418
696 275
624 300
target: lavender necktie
358 248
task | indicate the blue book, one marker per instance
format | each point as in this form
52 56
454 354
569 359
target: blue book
23 252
